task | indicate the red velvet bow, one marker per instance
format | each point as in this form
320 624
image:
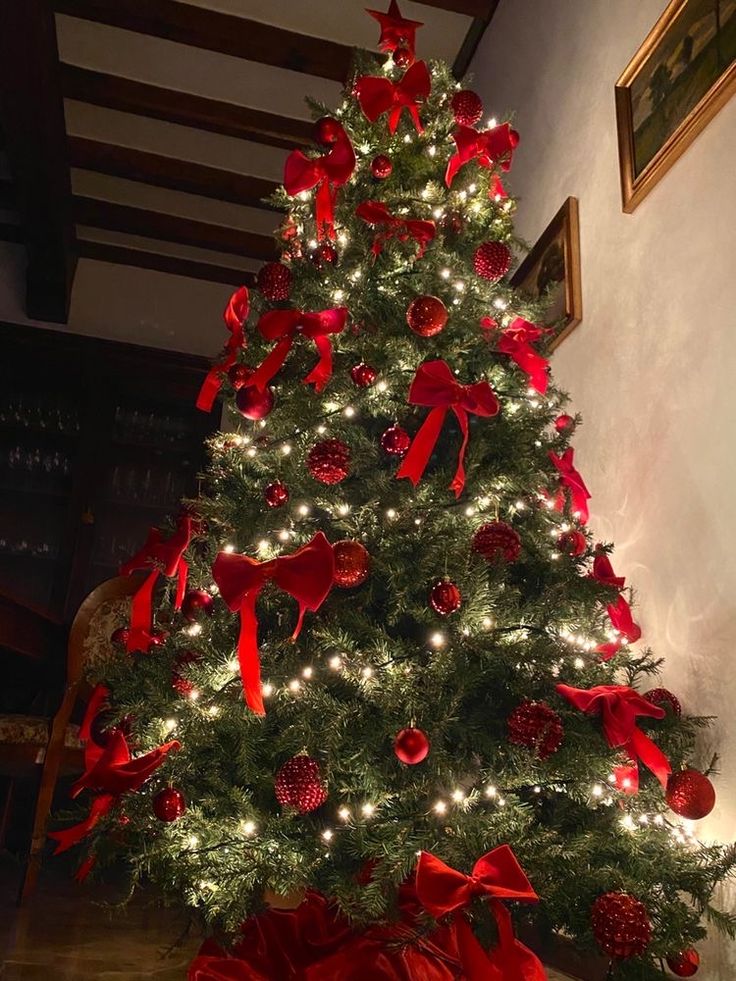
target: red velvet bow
326 173
579 494
377 95
619 707
283 326
497 876
623 621
163 556
306 575
376 213
603 572
493 146
235 315
396 31
515 341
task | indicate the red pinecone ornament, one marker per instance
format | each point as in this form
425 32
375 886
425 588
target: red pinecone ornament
238 375
621 925
427 315
536 726
276 494
690 794
381 167
363 375
664 698
492 261
467 107
253 404
329 461
685 963
572 543
299 784
274 281
395 441
352 563
169 804
195 603
411 746
327 131
497 540
445 597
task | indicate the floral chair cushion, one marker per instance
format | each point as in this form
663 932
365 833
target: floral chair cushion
33 730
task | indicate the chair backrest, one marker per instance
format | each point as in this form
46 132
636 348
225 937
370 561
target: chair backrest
112 591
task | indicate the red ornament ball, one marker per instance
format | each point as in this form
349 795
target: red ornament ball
169 804
497 540
536 726
254 404
238 375
621 925
329 461
685 963
395 441
381 167
274 281
403 57
563 422
690 794
324 253
572 543
411 746
195 603
120 636
352 563
445 597
327 131
467 107
452 223
427 315
276 494
363 375
181 684
492 260
299 784
664 698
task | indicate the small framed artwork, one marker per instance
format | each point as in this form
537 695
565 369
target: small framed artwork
552 268
684 72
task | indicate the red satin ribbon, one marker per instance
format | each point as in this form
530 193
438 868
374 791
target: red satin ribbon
491 147
515 341
393 226
283 326
603 572
164 556
497 877
434 385
619 708
326 173
618 612
235 316
306 575
377 95
579 494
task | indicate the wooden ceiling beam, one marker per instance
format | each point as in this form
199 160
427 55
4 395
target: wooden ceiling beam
470 8
120 255
473 38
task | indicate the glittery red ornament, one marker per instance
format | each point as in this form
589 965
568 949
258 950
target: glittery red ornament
299 784
363 375
254 404
352 563
467 107
381 167
276 494
120 636
563 422
329 461
445 597
327 131
324 253
403 57
492 260
452 223
690 794
181 684
536 726
274 281
158 637
195 603
411 746
238 375
427 315
395 441
169 804
664 698
685 963
497 540
572 543
621 925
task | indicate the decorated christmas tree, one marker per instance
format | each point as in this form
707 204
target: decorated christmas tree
382 698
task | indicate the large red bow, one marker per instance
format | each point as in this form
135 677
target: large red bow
306 575
326 173
435 385
579 493
159 556
234 315
376 213
497 876
619 707
283 326
515 341
377 95
622 620
493 146
603 572
396 31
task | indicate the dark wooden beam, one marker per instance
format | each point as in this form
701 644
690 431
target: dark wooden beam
32 120
120 255
471 8
473 38
10 232
171 106
202 27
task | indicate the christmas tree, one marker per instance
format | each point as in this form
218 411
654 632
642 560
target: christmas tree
380 673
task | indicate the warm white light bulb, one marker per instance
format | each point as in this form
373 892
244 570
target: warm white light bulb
437 639
368 809
440 807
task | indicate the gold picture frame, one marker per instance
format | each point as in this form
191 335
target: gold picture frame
684 72
553 265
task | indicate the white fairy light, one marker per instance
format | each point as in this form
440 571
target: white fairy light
349 411
170 725
459 286
438 212
233 665
472 188
303 510
598 790
627 823
251 451
417 521
491 790
437 639
321 430
267 690
469 511
263 545
445 273
382 386
500 304
213 711
307 672
313 243
492 122
192 841
458 796
432 150
228 548
659 820
248 828
294 685
440 807
193 629
284 535
286 449
390 514
338 295
487 622
344 814
343 509
579 663
335 662
367 672
328 834
368 809
407 138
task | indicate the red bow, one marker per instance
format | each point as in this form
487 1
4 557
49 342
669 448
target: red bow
378 95
235 315
306 575
493 146
396 31
603 572
326 173
515 341
619 707
623 621
496 876
376 213
579 494
164 556
434 385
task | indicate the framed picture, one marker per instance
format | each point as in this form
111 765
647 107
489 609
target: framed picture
683 73
553 268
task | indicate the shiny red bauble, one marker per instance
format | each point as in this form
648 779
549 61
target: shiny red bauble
445 597
381 167
120 636
497 540
324 254
403 57
467 107
492 260
197 602
621 925
685 963
238 375
276 494
563 422
665 699
536 726
329 461
690 794
411 746
254 404
169 804
363 375
352 563
427 315
299 784
274 281
395 441
452 223
327 131
572 543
